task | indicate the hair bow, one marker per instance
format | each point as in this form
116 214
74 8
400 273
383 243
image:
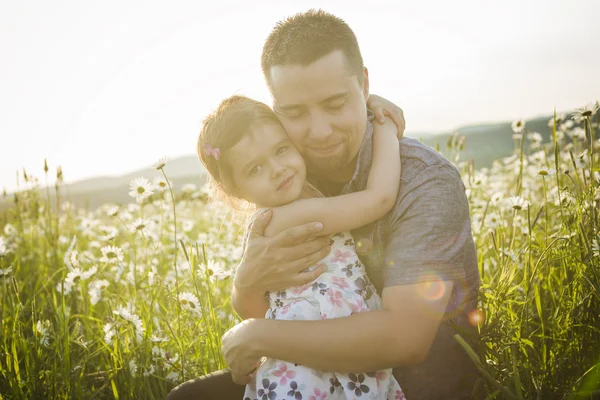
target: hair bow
211 151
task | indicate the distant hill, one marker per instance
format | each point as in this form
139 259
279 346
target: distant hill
484 143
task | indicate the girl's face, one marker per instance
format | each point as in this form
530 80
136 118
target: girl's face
266 168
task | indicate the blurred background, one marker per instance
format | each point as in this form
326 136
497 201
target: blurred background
104 89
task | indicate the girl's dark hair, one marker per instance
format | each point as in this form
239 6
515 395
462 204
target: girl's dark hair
221 130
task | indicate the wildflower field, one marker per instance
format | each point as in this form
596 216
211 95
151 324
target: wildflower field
126 301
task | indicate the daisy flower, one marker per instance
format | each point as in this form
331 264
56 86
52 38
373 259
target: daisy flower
140 189
546 171
75 276
160 164
10 230
535 137
128 314
112 211
157 339
111 254
189 188
189 302
108 333
41 332
5 272
586 112
95 290
140 225
133 367
3 250
160 184
518 126
518 203
67 259
596 246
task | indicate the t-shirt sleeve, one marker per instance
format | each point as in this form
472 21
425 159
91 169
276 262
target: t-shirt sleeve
429 230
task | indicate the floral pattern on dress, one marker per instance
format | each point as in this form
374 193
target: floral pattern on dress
344 289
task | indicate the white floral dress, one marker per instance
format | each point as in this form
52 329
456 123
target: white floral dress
342 290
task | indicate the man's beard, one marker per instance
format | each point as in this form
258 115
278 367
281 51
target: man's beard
328 165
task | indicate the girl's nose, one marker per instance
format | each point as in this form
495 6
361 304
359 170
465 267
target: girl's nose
277 168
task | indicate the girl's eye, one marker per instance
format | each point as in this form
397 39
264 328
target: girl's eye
281 149
254 169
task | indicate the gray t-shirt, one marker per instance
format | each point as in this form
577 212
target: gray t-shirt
427 234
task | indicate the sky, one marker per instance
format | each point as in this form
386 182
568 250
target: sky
104 88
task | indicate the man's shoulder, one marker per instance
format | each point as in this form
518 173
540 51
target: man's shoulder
418 158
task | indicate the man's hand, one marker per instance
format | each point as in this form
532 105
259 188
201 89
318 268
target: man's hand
382 108
279 262
235 348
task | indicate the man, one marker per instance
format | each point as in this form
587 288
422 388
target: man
421 256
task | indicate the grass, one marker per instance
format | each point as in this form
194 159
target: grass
125 302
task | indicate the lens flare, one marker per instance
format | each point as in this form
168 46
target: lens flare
433 288
363 246
476 317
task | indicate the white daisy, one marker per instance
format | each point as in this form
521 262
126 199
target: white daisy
41 332
67 258
160 164
10 230
160 184
111 254
586 112
518 203
4 273
187 225
95 290
133 367
75 276
110 233
3 249
596 246
546 171
149 371
108 333
535 137
518 126
189 302
559 118
140 225
173 376
140 189
157 339
112 211
492 220
128 314
189 188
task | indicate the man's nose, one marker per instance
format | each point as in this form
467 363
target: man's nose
320 127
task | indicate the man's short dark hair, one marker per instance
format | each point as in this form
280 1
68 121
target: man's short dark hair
306 37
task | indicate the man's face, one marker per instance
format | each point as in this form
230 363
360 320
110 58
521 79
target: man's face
323 109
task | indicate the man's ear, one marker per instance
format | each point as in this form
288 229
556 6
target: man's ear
365 83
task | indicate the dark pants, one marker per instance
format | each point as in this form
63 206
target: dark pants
214 386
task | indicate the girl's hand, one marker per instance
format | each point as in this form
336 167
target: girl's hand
382 108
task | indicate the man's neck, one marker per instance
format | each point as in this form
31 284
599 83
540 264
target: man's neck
335 182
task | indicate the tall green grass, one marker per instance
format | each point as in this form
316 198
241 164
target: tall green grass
84 320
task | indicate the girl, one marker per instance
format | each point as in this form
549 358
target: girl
249 157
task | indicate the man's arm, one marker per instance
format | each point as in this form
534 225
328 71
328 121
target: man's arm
400 334
426 241
274 263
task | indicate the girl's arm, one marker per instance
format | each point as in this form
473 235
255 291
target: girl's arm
382 107
349 211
